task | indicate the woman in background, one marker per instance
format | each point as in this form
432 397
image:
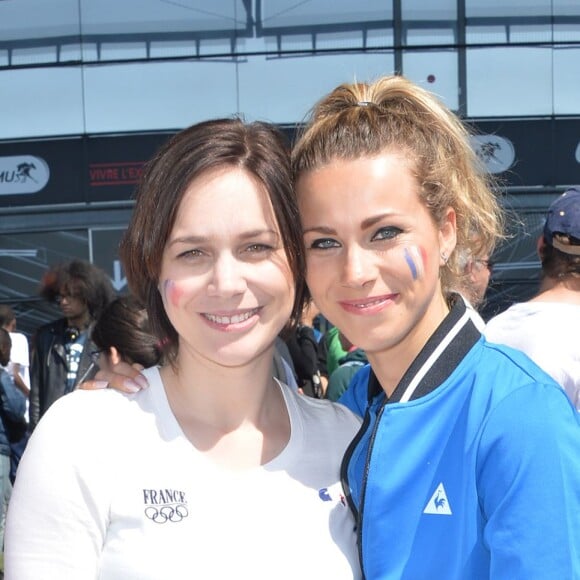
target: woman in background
123 333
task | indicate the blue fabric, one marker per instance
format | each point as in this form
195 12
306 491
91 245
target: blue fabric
13 404
503 441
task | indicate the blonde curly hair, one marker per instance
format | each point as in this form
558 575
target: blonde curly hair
392 113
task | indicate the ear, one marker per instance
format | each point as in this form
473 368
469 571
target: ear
540 245
114 356
447 235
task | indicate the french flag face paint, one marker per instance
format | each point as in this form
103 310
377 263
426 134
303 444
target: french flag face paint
416 259
172 292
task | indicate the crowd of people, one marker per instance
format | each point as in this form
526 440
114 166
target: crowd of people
299 384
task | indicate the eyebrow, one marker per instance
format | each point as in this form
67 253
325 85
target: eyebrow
367 223
204 239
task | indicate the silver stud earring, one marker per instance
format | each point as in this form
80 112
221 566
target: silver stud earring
444 257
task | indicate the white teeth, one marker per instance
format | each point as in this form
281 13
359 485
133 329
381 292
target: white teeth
367 304
236 319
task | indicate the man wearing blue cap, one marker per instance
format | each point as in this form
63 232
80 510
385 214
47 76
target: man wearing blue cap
546 327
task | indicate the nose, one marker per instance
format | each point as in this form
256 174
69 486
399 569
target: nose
227 277
357 268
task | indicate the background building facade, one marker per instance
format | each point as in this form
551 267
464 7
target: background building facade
90 88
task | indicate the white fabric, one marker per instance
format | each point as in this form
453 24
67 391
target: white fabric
102 468
548 333
19 355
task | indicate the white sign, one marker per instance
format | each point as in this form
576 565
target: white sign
23 174
495 152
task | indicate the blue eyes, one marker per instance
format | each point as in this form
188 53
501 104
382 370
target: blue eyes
382 234
324 244
387 233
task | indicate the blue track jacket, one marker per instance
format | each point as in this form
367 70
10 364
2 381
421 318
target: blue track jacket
471 470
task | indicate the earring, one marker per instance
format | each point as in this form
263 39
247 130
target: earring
444 257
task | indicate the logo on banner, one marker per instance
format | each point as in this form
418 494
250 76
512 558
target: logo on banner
23 174
495 152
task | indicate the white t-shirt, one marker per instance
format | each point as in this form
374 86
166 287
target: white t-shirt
19 355
109 487
548 333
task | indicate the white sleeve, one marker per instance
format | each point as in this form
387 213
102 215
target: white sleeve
57 517
19 352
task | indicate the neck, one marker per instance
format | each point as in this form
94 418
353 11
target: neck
237 415
390 364
566 290
81 322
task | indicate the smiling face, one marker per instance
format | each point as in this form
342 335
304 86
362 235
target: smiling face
225 280
374 252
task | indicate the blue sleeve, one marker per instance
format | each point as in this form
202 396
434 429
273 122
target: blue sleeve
12 399
356 395
529 485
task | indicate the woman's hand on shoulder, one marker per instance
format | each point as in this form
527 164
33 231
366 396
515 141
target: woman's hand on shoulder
124 377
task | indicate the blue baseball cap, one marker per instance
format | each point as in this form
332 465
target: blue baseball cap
563 222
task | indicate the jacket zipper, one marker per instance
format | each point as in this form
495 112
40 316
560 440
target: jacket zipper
358 513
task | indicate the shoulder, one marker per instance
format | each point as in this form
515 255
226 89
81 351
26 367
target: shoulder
356 395
508 384
323 413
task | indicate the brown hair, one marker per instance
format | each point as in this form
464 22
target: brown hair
124 324
82 280
360 119
257 148
557 264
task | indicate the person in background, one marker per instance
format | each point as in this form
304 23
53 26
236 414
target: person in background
303 346
62 349
19 363
354 359
331 351
216 470
546 327
123 333
12 407
18 368
465 445
477 273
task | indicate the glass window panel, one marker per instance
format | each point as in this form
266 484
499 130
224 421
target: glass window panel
287 13
381 38
480 8
432 10
436 71
567 32
509 81
33 55
530 33
427 37
147 16
153 96
41 102
566 7
34 19
172 48
296 83
567 81
486 34
123 50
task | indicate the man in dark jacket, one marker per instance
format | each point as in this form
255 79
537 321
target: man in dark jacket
62 349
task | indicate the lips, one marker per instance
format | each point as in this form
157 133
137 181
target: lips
370 305
228 319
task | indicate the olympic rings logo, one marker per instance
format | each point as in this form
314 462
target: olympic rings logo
167 513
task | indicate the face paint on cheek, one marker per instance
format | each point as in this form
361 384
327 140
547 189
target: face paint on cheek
172 292
414 257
